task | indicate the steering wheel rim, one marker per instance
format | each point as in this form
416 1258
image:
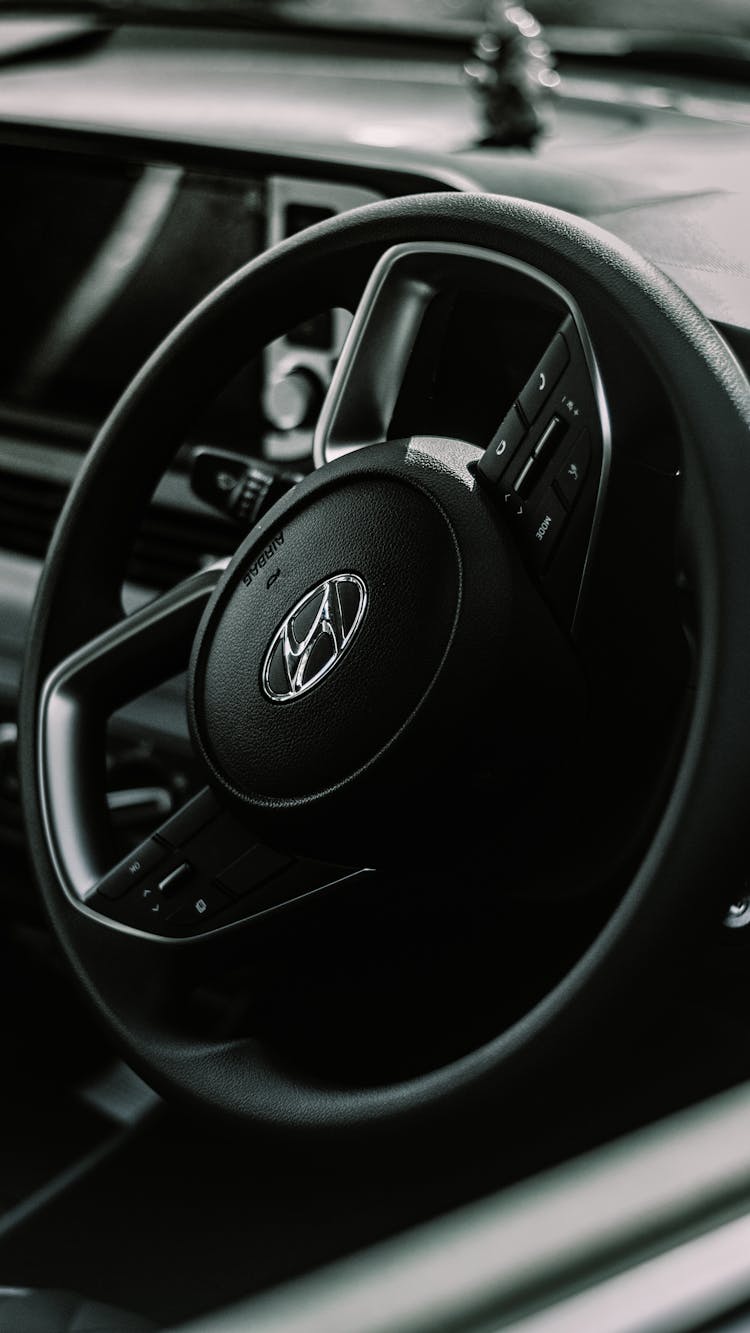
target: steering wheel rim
697 847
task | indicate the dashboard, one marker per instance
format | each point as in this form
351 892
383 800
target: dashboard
144 166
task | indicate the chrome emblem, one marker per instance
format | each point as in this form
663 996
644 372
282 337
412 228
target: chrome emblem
313 638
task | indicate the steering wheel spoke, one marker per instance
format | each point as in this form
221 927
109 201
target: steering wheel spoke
547 449
140 651
202 871
137 653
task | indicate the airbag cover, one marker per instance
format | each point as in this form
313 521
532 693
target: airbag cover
394 540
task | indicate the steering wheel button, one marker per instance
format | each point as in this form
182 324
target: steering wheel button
544 529
572 475
144 859
175 880
190 819
146 905
252 869
545 377
205 901
502 446
217 845
523 482
550 438
513 506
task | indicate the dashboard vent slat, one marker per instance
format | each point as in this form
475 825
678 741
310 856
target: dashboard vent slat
172 543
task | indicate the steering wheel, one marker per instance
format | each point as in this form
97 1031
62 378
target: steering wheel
381 680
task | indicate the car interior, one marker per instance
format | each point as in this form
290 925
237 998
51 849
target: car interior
374 666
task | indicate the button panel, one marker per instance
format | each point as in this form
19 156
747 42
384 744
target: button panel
202 866
546 476
122 878
190 818
544 528
253 869
198 906
504 444
145 907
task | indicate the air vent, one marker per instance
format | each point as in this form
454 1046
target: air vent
28 510
172 543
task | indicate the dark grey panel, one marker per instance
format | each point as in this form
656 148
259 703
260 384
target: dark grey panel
701 242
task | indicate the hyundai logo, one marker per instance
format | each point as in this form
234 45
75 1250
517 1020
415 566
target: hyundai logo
313 638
